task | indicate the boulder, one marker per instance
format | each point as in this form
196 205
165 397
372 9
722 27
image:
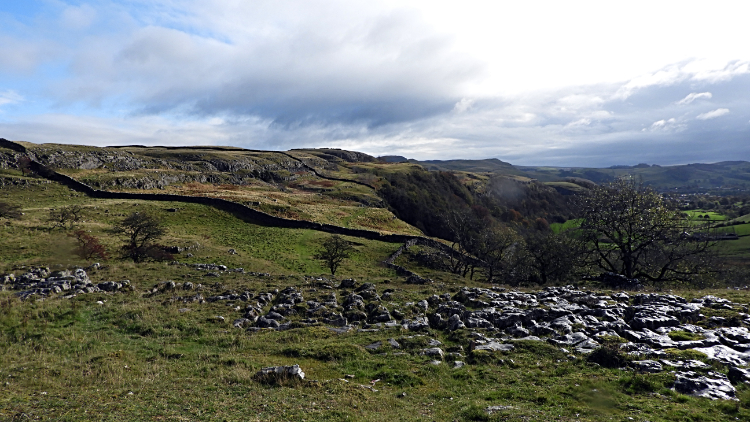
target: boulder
713 385
280 374
650 366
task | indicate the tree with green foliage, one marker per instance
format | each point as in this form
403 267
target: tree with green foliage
333 252
630 231
141 231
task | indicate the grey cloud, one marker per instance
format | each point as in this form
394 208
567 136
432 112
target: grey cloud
388 70
325 74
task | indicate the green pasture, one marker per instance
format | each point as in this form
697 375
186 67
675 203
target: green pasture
568 225
208 231
699 215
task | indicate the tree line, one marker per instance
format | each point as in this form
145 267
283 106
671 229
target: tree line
624 228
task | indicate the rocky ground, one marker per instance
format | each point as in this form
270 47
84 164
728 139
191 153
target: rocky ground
648 328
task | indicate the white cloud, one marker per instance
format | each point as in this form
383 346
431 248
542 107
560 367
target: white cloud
704 71
713 114
78 17
9 97
578 123
576 102
694 96
713 75
671 124
463 105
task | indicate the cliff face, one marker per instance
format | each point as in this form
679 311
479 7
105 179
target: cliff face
157 167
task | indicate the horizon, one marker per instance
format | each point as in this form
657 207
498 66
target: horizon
391 155
538 82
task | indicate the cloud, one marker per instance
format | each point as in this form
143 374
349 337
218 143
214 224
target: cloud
671 124
463 105
694 96
332 67
379 77
9 97
689 70
713 114
78 17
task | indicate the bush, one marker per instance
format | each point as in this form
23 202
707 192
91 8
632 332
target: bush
89 246
609 356
9 210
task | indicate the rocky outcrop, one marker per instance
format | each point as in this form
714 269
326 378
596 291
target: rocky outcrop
40 282
572 319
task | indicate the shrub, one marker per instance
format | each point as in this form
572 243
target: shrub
9 210
609 356
89 246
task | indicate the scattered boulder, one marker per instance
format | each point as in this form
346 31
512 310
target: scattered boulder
650 366
280 374
713 385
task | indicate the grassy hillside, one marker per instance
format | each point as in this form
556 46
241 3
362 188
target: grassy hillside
144 354
281 184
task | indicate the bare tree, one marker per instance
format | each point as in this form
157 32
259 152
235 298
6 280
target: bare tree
554 256
24 164
333 252
501 250
463 228
65 216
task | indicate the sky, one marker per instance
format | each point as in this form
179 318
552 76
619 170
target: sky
575 83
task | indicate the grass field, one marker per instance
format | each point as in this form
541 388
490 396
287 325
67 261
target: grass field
568 225
138 356
211 232
699 215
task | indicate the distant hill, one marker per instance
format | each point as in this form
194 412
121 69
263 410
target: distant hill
393 159
688 177
489 165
